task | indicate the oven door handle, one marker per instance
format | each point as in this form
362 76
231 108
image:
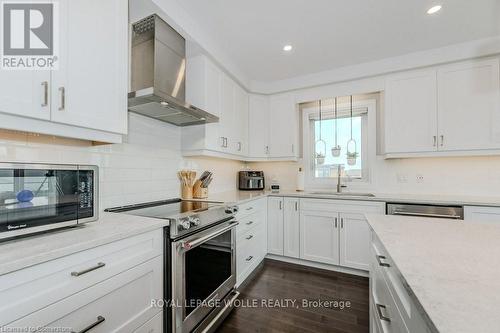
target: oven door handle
188 245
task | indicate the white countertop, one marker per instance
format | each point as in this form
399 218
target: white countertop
244 196
110 227
451 267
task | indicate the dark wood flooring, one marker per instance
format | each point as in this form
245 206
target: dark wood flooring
280 281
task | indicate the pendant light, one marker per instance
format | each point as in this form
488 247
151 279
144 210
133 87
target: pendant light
352 153
320 144
336 148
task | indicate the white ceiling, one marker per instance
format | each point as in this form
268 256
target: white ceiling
327 34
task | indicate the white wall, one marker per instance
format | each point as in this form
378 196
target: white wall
143 168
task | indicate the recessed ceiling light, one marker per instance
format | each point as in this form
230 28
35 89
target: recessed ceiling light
287 48
434 9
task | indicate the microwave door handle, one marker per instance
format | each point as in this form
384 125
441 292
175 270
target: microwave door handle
188 245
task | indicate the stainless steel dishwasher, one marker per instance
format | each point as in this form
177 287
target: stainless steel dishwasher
422 210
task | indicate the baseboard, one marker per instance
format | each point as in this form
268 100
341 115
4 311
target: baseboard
251 276
308 263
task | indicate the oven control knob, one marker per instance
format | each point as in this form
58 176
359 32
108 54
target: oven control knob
194 221
184 224
232 210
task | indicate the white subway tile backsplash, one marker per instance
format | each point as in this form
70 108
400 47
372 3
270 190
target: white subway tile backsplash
143 168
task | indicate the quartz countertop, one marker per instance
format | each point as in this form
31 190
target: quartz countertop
244 196
32 250
451 268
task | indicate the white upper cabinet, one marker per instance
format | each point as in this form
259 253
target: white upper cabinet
283 132
469 105
25 93
452 109
258 123
89 89
210 89
86 96
411 112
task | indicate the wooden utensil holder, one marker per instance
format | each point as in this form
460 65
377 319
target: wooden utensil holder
186 192
199 192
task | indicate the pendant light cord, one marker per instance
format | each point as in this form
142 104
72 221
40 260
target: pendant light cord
336 128
351 117
320 119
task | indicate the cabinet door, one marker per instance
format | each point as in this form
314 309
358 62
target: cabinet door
226 118
240 142
411 112
319 237
25 93
469 105
291 228
90 87
258 131
283 124
213 104
275 226
354 241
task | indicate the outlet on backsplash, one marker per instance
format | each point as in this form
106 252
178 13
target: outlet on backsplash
402 178
419 178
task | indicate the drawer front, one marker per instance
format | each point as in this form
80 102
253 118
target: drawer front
346 206
119 304
250 251
36 287
251 207
249 222
154 325
385 310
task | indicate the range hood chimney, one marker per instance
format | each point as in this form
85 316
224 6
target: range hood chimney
158 75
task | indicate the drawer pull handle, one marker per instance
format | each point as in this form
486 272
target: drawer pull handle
249 208
249 223
100 320
249 258
99 265
380 315
383 264
249 237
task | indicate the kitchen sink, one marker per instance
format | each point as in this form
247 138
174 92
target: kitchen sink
344 194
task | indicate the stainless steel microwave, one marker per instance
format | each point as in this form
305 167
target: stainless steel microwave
40 197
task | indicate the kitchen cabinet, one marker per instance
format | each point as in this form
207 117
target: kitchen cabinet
482 214
291 227
444 111
251 235
116 281
210 89
336 232
319 237
469 105
258 123
283 130
275 218
89 89
411 112
273 127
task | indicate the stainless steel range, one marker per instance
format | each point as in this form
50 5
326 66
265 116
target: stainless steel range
200 261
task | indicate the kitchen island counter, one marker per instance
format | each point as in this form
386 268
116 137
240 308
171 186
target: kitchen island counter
450 268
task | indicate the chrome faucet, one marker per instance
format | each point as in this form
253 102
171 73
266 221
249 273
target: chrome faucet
340 167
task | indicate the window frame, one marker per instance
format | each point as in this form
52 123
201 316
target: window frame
368 144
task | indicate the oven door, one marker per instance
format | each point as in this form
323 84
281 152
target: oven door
203 273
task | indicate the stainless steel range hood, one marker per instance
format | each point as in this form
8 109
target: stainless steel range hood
158 75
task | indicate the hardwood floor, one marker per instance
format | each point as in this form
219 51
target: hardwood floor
282 281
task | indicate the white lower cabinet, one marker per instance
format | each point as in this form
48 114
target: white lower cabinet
482 214
319 236
392 309
251 238
291 227
154 325
327 231
109 287
275 225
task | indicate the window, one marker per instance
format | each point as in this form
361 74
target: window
323 171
